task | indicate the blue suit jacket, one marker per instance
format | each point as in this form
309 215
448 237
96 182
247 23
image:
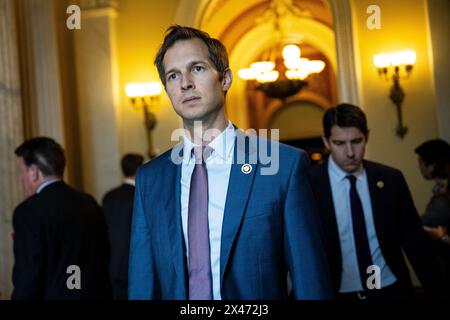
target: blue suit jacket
270 228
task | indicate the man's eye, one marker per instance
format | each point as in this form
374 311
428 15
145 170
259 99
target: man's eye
198 68
172 76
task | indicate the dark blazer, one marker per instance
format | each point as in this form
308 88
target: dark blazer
118 209
53 230
269 227
397 226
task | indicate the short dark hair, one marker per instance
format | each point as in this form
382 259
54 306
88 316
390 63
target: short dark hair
130 163
437 152
45 153
344 115
216 50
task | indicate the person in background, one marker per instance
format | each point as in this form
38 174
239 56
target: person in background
61 248
434 164
368 217
118 209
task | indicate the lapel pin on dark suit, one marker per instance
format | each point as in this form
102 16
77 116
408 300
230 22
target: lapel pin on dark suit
246 168
380 184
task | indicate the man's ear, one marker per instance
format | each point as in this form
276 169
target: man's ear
227 79
34 173
325 142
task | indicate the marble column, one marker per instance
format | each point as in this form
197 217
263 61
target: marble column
347 80
97 82
11 135
40 68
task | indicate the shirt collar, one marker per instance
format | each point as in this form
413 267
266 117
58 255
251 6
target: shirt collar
338 174
222 145
129 181
46 183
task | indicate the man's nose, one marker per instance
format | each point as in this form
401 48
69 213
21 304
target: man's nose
350 150
187 83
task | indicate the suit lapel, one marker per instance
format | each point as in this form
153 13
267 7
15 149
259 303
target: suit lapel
239 187
174 225
377 198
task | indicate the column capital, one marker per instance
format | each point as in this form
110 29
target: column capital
98 8
98 4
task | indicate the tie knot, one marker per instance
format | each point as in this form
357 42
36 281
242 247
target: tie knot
352 179
201 153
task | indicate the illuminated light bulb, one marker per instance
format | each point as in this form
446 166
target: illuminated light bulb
408 57
292 63
301 74
134 90
248 73
263 66
316 66
396 58
382 60
291 52
270 76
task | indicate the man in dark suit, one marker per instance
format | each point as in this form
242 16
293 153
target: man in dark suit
118 208
368 217
60 240
215 217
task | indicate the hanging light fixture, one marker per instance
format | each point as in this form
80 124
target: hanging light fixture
275 79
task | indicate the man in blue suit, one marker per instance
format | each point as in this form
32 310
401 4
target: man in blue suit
216 217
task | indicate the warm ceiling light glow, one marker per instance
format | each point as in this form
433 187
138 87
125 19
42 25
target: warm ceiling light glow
270 76
248 74
316 66
134 90
263 66
291 52
301 74
292 63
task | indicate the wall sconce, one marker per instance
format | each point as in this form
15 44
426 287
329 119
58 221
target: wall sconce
391 66
146 95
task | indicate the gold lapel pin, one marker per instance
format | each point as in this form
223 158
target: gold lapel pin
246 168
380 184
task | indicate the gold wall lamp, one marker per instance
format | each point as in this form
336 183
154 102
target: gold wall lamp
146 96
393 67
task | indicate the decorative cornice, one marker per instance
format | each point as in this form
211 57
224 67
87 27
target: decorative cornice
98 4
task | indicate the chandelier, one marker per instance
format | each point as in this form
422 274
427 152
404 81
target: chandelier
281 79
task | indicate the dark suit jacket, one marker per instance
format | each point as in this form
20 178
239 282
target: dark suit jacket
269 227
397 226
53 230
118 209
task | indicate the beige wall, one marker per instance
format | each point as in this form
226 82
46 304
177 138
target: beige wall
403 25
140 31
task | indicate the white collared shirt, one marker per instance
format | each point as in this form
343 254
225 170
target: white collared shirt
218 166
46 183
340 188
129 181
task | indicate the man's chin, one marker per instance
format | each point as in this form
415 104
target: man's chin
351 168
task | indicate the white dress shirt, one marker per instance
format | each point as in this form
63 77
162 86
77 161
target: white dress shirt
340 188
218 166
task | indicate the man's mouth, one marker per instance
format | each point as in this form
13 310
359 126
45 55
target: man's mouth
190 99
